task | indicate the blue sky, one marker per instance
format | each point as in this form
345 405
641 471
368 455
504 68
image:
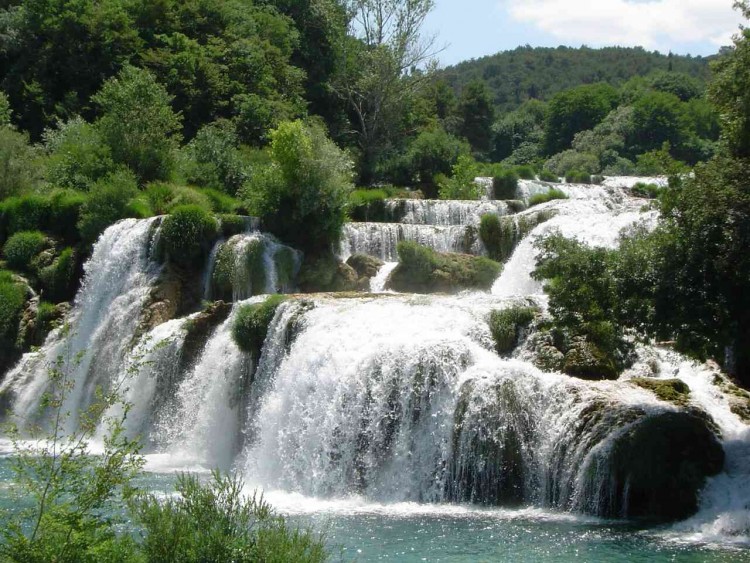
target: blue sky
474 28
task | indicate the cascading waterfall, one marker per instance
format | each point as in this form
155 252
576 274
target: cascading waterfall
391 397
104 319
250 264
380 239
442 212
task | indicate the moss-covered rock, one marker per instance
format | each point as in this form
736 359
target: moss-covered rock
187 236
367 267
501 235
584 359
326 273
422 270
199 328
251 322
670 390
231 225
507 326
738 398
38 320
659 466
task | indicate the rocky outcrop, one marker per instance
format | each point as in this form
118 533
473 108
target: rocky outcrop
367 267
327 273
199 329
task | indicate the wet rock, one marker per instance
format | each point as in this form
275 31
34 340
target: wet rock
199 329
327 273
673 391
586 360
365 266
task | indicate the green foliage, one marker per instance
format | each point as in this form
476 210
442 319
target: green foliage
575 110
138 123
649 191
461 184
215 522
58 279
563 162
658 118
232 224
251 322
505 184
679 84
308 183
434 151
577 177
65 208
500 235
221 202
548 176
18 163
78 156
107 203
12 300
546 196
671 390
476 111
507 325
27 213
5 111
367 204
214 159
526 172
164 197
538 73
659 162
519 131
422 270
21 249
187 235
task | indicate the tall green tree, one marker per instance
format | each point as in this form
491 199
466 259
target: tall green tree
477 113
138 123
575 110
378 74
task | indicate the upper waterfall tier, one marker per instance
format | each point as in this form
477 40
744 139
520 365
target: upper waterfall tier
441 212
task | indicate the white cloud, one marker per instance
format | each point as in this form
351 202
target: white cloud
654 24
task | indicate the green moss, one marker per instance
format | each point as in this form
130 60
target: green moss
526 172
422 270
586 360
500 235
233 272
187 236
286 265
21 249
669 390
649 191
58 279
367 205
547 196
232 224
507 326
251 323
548 176
577 177
326 273
505 184
12 301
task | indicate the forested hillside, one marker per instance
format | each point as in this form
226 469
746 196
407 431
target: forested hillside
538 73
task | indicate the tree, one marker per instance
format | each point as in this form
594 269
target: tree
574 110
302 194
658 118
5 112
138 123
477 113
378 74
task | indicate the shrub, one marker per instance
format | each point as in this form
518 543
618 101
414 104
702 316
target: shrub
432 152
221 202
214 522
163 197
107 203
577 177
27 213
58 279
546 196
507 325
5 111
139 208
367 204
302 195
526 172
78 156
233 224
187 235
500 235
461 184
19 171
251 322
567 160
650 191
548 176
422 270
65 208
505 184
21 248
12 300
213 159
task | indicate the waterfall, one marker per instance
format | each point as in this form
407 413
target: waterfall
103 321
250 264
442 212
380 239
377 284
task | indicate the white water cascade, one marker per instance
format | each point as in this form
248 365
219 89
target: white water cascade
392 398
117 282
